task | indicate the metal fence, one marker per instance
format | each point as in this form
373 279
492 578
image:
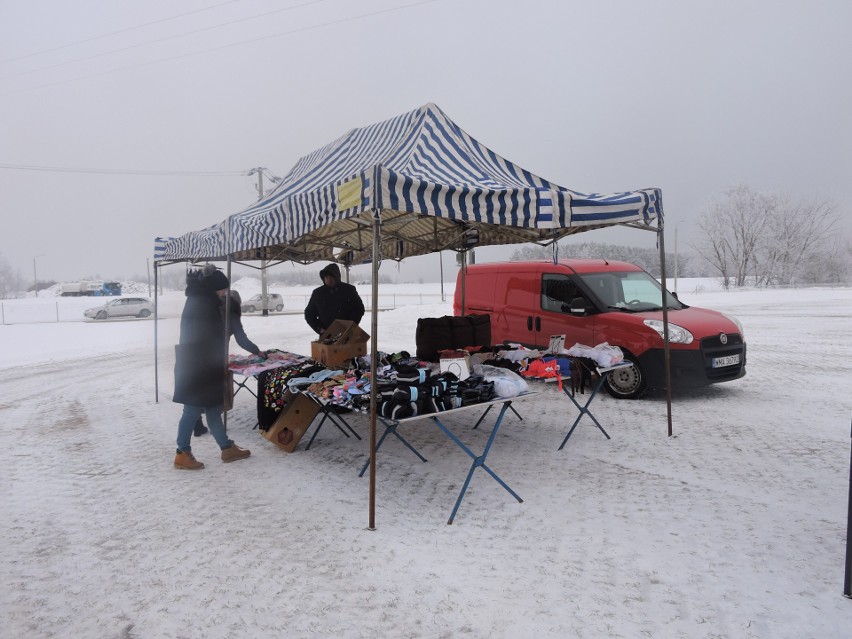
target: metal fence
39 311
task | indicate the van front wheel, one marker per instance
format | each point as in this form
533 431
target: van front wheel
626 383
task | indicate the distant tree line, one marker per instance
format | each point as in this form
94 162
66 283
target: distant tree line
9 279
747 239
173 277
757 239
12 283
647 258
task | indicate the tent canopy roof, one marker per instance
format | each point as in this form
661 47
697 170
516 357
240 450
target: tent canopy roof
429 184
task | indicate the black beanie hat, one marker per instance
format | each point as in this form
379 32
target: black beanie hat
217 280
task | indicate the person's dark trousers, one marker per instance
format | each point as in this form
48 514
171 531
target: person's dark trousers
199 429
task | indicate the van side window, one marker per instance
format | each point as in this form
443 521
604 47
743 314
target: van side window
607 287
557 291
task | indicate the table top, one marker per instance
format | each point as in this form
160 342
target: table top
253 365
453 411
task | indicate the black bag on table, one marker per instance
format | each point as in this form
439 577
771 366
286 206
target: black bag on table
435 334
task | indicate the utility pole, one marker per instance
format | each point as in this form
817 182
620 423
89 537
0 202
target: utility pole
35 277
675 264
263 289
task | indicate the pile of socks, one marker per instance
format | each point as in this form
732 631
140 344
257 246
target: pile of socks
417 392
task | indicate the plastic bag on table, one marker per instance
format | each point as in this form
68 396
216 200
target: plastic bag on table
603 354
506 383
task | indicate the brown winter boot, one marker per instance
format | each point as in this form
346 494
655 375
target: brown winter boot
186 460
233 453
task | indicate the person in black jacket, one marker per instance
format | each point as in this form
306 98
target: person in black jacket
235 327
200 358
332 301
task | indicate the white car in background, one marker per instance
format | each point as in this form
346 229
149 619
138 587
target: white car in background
274 302
122 307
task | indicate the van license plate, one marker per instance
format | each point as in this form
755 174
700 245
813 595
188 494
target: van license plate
730 360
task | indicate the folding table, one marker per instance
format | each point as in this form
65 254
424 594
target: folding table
240 384
243 383
245 368
602 371
392 428
328 413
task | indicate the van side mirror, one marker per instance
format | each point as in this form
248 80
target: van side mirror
578 306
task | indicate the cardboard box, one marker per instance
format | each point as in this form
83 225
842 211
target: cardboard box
557 344
349 341
455 362
293 421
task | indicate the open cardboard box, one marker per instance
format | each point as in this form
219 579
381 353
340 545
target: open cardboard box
350 341
293 421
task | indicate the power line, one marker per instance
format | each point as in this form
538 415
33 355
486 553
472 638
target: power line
226 46
163 39
64 169
112 33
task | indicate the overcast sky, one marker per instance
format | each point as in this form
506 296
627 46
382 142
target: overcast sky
689 97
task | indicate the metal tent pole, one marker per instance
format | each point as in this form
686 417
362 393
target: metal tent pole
666 350
156 335
441 270
227 340
463 281
374 356
847 581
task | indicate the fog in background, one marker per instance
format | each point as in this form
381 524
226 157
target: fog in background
123 121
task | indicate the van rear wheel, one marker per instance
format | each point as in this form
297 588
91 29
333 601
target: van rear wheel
626 383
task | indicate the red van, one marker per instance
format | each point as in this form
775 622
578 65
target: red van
594 300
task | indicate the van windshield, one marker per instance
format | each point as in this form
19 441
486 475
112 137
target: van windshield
630 291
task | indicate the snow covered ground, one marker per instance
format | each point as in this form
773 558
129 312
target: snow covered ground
734 527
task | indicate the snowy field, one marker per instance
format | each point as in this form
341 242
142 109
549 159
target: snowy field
735 527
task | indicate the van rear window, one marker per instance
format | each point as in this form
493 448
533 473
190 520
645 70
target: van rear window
557 291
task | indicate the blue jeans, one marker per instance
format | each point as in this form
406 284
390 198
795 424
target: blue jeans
214 422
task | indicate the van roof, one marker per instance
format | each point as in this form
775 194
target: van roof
580 265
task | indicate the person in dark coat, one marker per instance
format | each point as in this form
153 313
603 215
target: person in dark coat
332 301
235 327
200 358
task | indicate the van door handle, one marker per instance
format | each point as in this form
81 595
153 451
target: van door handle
537 324
529 322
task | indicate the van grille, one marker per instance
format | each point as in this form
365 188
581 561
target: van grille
712 347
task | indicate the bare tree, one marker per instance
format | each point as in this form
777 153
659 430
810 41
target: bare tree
799 234
733 231
714 247
833 265
772 240
7 279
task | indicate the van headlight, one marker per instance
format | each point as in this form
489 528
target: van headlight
677 334
735 321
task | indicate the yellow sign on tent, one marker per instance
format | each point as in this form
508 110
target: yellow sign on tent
349 194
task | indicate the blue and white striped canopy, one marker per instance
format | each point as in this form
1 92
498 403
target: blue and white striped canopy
430 185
